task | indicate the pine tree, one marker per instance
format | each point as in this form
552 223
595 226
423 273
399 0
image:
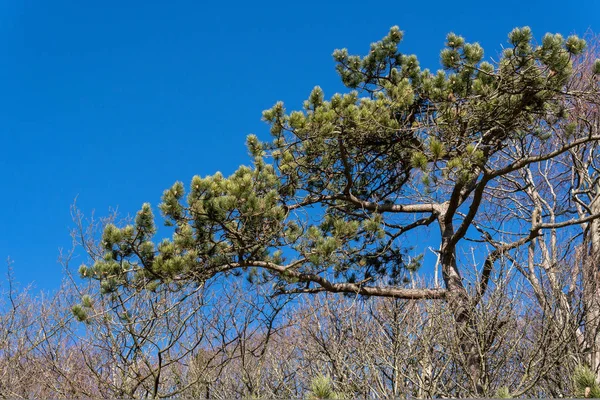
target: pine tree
329 203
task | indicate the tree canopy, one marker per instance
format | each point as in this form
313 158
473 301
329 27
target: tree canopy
328 203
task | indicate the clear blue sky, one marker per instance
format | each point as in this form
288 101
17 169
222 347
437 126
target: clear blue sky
113 101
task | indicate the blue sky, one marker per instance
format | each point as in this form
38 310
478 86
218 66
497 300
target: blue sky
113 101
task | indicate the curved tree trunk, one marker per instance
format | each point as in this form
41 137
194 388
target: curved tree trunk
462 307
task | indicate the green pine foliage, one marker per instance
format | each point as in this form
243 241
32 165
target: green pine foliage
503 393
79 313
400 131
586 385
321 387
597 67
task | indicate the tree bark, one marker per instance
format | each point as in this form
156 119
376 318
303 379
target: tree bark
461 306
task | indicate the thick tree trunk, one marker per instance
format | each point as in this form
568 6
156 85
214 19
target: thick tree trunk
461 305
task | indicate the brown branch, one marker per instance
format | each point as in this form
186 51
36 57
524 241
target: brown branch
395 208
344 287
